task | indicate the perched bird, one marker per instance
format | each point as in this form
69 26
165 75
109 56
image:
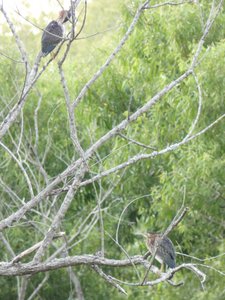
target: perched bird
164 248
53 33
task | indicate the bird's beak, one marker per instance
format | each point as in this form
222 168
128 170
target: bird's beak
67 16
140 233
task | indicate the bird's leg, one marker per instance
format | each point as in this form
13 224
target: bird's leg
53 55
162 268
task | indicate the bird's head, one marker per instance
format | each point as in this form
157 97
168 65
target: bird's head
64 16
152 237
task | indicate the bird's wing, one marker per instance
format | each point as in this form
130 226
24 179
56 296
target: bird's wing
166 250
51 37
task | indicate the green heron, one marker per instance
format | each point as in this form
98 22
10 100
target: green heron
53 33
163 249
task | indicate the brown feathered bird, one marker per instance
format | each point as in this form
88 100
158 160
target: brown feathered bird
164 248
